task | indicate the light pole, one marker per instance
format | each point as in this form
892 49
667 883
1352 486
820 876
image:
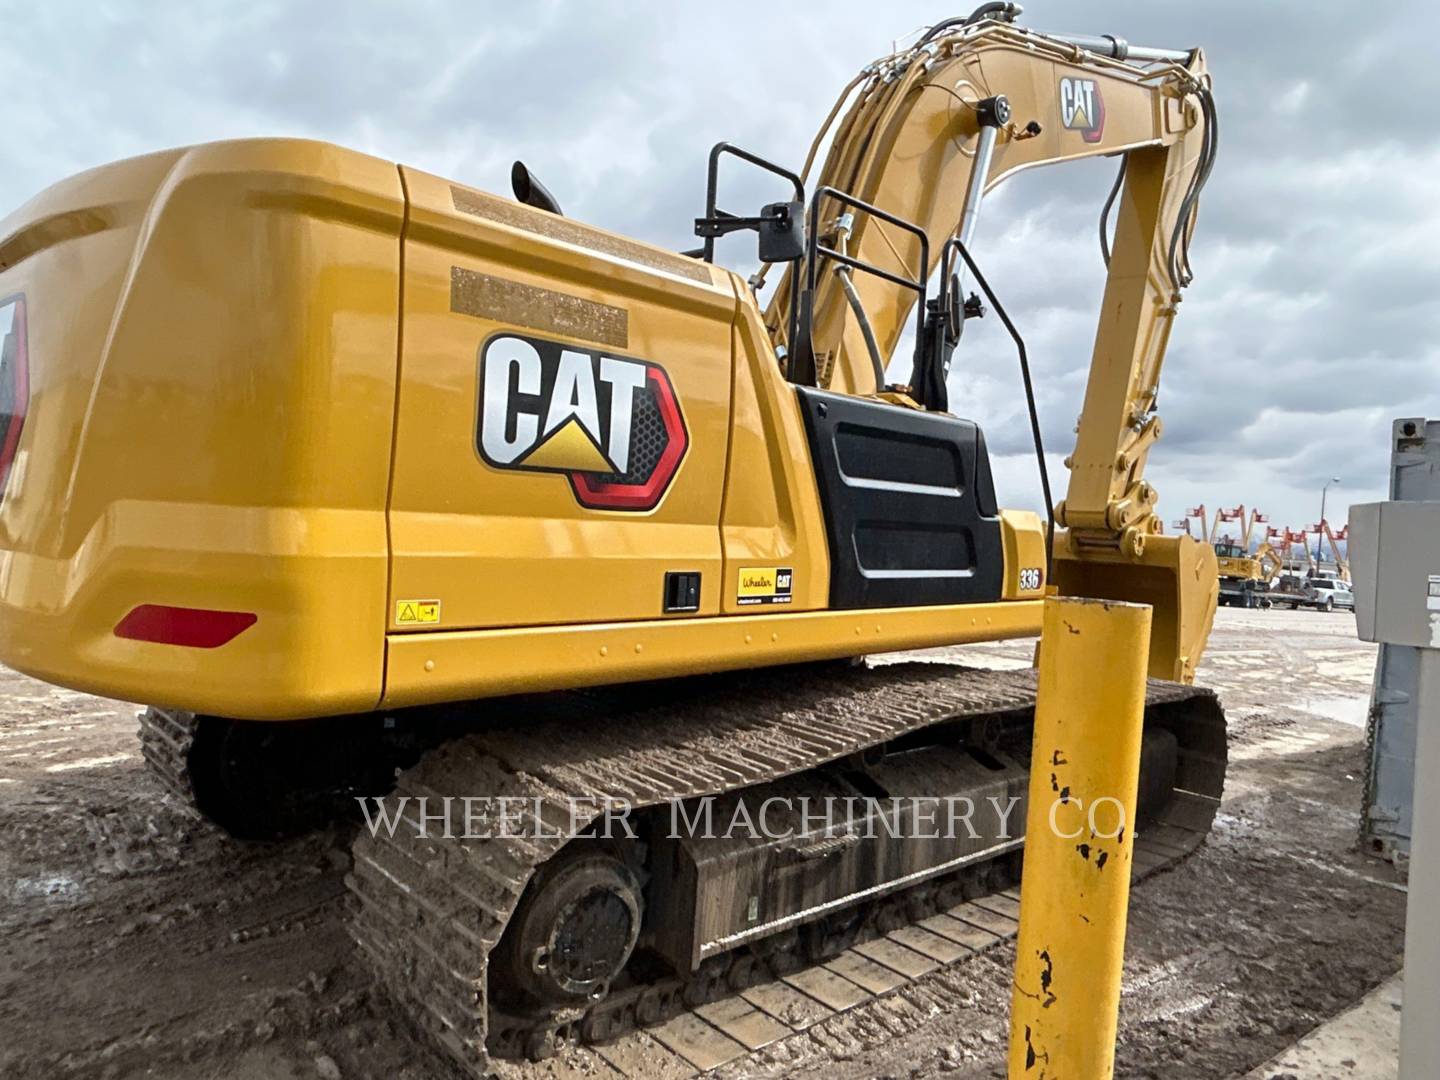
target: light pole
1323 492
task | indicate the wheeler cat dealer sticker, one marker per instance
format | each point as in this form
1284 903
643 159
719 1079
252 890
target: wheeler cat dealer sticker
611 424
764 585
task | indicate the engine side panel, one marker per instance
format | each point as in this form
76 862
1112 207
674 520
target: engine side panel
563 419
909 504
771 519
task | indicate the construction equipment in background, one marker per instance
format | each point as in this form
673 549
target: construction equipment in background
1182 525
1294 562
1207 529
1245 577
331 459
1306 560
1282 540
1326 535
1309 583
1298 582
1321 593
1247 522
1271 557
1224 517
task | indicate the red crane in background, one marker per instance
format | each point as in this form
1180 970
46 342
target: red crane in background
1247 522
1280 540
1333 538
1197 512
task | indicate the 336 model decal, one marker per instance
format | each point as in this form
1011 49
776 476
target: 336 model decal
611 424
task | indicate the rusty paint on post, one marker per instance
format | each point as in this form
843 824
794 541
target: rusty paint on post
1075 890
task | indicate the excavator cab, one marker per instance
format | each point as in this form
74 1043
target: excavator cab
907 494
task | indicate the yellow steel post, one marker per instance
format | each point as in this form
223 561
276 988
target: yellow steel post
1079 839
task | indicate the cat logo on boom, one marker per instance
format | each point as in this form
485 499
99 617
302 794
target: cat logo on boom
1082 108
611 424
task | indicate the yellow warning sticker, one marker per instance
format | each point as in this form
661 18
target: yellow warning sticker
764 585
417 612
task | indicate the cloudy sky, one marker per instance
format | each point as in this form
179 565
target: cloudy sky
1312 321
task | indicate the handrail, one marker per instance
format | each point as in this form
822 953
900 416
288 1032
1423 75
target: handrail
713 182
801 368
953 246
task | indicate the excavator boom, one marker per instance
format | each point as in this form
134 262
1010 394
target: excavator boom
927 132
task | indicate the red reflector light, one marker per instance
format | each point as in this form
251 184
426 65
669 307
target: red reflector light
198 628
14 381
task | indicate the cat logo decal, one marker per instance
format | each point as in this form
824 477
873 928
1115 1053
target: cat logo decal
1082 108
611 424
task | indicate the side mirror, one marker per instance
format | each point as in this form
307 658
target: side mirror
782 232
781 227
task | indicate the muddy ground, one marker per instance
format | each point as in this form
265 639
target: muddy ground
135 942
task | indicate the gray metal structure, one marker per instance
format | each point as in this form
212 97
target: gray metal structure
1389 795
1395 559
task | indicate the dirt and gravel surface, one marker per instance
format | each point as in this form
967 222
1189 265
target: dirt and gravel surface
135 942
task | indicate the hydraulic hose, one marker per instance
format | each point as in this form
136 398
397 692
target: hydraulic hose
843 273
1179 257
1105 212
1004 12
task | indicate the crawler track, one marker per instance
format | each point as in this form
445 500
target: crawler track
263 781
166 736
432 909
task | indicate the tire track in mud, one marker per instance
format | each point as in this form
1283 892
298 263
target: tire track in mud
131 932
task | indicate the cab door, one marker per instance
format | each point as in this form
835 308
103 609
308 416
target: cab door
562 420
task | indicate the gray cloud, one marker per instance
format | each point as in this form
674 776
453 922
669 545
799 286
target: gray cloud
1312 321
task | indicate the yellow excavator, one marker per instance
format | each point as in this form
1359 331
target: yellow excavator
1245 578
347 470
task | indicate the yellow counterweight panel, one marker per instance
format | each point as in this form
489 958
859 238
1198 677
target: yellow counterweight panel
508 545
202 429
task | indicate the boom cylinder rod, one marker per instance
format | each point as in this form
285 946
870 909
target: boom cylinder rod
984 153
1117 48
